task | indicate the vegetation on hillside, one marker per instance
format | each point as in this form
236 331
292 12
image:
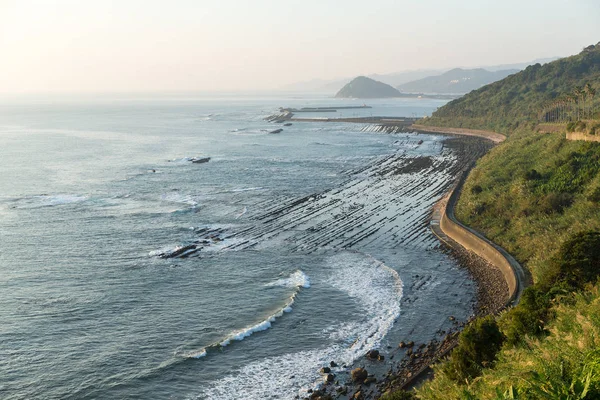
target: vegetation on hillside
519 100
538 196
367 88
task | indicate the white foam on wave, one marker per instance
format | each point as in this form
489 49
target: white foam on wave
299 278
296 279
377 290
180 198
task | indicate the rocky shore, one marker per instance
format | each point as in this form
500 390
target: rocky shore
415 359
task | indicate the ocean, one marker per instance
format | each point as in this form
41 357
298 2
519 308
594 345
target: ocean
129 271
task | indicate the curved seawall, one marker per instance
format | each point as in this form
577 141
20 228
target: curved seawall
448 229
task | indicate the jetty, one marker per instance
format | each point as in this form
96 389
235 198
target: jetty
287 115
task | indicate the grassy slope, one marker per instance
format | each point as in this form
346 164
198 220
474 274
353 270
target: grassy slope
516 212
530 195
540 368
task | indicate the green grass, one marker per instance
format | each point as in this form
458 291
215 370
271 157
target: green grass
563 365
538 196
533 192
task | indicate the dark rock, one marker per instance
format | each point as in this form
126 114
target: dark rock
277 131
380 357
373 354
410 344
359 374
200 160
358 396
369 380
451 318
402 345
333 364
288 124
330 378
325 370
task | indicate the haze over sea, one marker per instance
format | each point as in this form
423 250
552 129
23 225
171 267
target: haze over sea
309 245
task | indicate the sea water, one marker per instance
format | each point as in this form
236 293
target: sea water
315 251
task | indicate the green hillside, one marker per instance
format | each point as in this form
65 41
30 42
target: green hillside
538 196
519 100
367 88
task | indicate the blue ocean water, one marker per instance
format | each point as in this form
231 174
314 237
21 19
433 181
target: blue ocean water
309 243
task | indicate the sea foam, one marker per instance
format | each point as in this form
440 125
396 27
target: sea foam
377 290
296 280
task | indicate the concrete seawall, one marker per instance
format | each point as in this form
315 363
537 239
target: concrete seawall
448 229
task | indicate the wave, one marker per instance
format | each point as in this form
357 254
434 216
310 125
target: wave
45 200
180 198
297 280
377 290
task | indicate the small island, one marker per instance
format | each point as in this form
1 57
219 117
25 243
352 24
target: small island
367 88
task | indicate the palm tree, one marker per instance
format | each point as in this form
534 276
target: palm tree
578 91
592 95
590 92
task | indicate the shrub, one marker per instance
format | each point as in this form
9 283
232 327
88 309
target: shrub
556 202
594 195
476 189
576 263
528 318
533 175
477 347
399 395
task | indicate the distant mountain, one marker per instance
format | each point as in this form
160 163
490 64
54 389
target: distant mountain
456 80
394 79
334 85
367 88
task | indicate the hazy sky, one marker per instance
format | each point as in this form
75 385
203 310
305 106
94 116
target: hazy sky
181 45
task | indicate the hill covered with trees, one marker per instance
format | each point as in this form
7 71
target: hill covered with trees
520 100
367 88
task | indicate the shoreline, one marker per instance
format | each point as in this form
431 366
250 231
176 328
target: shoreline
495 291
496 288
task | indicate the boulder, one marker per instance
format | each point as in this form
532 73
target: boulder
359 375
277 131
373 354
333 364
369 380
325 370
330 378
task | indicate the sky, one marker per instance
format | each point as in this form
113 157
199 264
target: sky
87 46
